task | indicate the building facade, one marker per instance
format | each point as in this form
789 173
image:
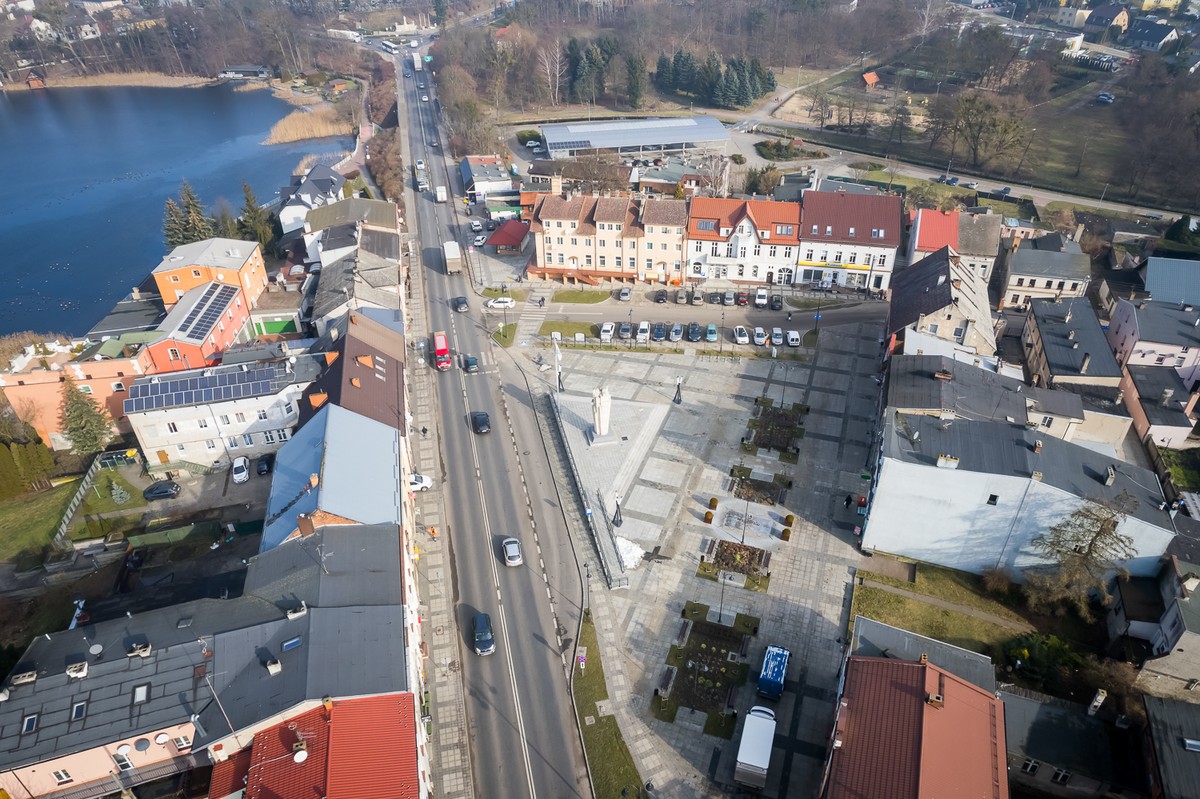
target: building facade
231 262
1151 333
749 242
849 239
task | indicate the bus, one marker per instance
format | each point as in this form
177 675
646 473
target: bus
441 351
390 46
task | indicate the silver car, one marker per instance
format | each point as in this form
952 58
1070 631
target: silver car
511 548
676 332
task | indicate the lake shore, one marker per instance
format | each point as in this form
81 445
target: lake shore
153 79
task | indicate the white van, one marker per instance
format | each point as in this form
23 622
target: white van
760 298
643 333
793 338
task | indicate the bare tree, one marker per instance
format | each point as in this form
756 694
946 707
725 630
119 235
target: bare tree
928 13
552 63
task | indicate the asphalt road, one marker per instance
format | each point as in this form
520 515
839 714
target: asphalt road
524 739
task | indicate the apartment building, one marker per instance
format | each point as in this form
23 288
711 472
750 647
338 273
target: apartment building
749 242
849 239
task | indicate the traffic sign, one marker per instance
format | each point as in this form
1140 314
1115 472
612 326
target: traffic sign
582 658
816 316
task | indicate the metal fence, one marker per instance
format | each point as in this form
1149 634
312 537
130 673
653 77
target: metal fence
61 539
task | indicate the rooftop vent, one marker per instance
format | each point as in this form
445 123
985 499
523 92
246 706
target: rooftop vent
23 678
139 651
298 612
274 666
1071 334
1110 476
943 374
1167 393
1037 445
947 462
1037 476
1087 361
77 671
935 701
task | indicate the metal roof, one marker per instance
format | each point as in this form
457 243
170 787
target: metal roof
876 639
633 133
1172 725
219 384
353 209
214 253
1168 323
1153 383
1173 280
1060 734
129 315
1070 330
1050 263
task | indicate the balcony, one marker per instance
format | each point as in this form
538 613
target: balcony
117 781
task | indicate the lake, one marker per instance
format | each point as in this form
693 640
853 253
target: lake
86 174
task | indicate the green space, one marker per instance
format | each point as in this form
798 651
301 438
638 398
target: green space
611 764
808 304
960 588
1184 466
500 291
583 296
28 523
569 329
922 618
1062 205
99 498
505 334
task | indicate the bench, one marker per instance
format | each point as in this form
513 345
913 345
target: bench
731 697
766 561
666 681
744 649
685 629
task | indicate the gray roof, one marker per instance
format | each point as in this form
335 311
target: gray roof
1051 264
215 253
876 639
350 579
339 236
376 213
198 312
1008 449
1056 320
1173 280
1155 382
357 463
130 315
649 133
979 234
926 287
848 186
1172 722
219 384
971 392
314 188
483 169
383 243
1168 323
360 277
1057 733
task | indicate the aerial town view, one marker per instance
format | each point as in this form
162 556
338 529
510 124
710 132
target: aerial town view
600 400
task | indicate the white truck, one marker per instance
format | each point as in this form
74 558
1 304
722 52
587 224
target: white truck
441 194
416 62
754 751
350 36
453 256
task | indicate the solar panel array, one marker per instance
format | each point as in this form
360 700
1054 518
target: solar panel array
231 384
204 315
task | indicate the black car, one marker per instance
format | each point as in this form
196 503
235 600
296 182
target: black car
470 364
660 296
265 464
776 302
480 422
460 304
490 224
658 332
695 332
716 298
485 640
625 330
163 489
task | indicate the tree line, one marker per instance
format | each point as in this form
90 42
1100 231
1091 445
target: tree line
187 220
25 467
737 85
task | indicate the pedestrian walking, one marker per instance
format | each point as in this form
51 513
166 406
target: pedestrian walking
789 316
849 500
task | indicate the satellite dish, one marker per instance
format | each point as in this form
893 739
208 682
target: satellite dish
161 738
96 649
141 744
300 756
124 749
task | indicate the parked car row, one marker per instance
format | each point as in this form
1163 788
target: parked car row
761 298
761 338
644 332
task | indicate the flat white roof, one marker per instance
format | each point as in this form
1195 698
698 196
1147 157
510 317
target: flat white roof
615 134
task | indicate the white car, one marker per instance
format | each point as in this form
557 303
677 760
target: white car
793 338
480 241
740 335
606 332
760 298
420 163
424 98
643 332
476 226
501 302
241 469
419 482
512 552
760 336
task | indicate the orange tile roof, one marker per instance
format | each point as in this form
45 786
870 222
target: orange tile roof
936 229
870 78
229 776
763 214
895 743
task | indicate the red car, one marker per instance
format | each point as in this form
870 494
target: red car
743 298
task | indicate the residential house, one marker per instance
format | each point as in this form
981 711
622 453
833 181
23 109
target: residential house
320 186
1161 406
673 174
941 296
1173 732
1167 7
364 214
231 262
111 704
849 239
1013 227
901 727
748 242
339 468
993 488
211 416
1105 17
975 237
553 175
1151 333
1151 34
203 324
483 175
1065 345
1038 268
1152 616
592 238
359 280
1173 280
1071 17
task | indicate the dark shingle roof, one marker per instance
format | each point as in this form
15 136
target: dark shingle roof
1173 280
1069 331
1153 383
970 392
1172 724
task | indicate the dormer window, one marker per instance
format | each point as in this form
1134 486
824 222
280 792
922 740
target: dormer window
706 224
852 232
829 230
29 724
814 231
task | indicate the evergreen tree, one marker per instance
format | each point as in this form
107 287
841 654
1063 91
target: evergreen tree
174 225
10 478
683 71
664 79
599 62
765 78
254 225
1181 231
45 459
39 476
724 92
83 420
635 79
24 469
224 224
742 95
197 225
708 76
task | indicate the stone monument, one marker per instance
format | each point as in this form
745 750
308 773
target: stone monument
601 413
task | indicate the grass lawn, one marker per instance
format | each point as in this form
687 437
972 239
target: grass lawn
1184 466
569 329
707 571
1060 205
99 497
517 294
958 629
611 764
758 582
961 588
505 335
808 304
584 296
27 523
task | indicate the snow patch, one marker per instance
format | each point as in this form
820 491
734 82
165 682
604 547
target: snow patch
629 552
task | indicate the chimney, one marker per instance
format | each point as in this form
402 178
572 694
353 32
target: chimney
136 293
304 525
943 374
1087 361
1037 445
1037 476
1071 334
556 186
947 462
1110 476
273 668
1166 396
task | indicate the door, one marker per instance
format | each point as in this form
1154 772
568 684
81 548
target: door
162 456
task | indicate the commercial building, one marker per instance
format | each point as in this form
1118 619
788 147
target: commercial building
748 242
849 239
484 175
634 136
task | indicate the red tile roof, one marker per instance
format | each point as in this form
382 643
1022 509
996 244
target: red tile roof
838 211
765 215
895 742
935 230
510 234
229 776
277 771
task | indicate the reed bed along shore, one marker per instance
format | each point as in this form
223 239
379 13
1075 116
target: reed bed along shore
119 79
313 123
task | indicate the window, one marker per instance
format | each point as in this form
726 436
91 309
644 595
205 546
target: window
729 250
829 230
1020 281
772 251
561 258
882 260
758 250
649 245
1061 776
290 644
993 499
248 439
808 255
61 776
262 415
851 232
549 241
741 270
173 354
587 260
741 252
1062 284
814 230
602 243
210 444
174 278
141 693
1049 284
602 261
203 423
78 711
853 258
269 436
933 329
1047 421
241 417
618 262
649 264
29 724
224 418
560 240
123 762
790 230
574 242
1030 766
172 427
232 442
195 273
182 742
181 447
959 332
837 257
1074 287
86 389
118 386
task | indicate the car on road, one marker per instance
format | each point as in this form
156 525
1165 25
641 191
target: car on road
606 332
941 179
419 482
793 338
408 74
776 302
710 334
625 294
760 298
973 184
730 297
485 639
643 332
660 296
697 297
424 98
460 304
163 489
480 241
741 335
742 299
681 297
952 181
760 336
501 302
1005 191
659 332
476 226
715 298
776 337
490 224
626 330
480 422
511 548
420 163
1106 98
265 464
676 332
695 332
421 85
241 469
470 364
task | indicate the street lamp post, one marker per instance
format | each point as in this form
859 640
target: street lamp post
721 336
617 520
679 391
631 330
587 576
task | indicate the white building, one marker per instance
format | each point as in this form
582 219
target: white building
975 237
849 239
744 241
1157 334
321 186
940 296
1043 268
